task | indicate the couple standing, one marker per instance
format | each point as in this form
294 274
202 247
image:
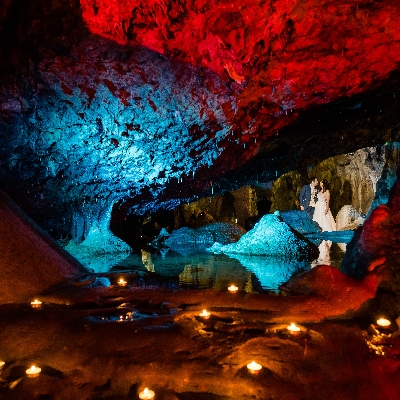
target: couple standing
316 203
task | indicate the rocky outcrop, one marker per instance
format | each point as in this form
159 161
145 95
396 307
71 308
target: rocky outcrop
31 260
377 247
271 236
234 206
348 218
299 221
187 240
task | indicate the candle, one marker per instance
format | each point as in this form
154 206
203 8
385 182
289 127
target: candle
122 282
1 364
383 322
254 367
205 314
293 328
233 288
36 303
33 371
146 394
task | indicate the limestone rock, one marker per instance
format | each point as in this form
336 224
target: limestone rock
270 236
187 240
362 179
348 218
298 220
31 260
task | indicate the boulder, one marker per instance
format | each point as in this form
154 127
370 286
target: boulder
271 236
31 260
187 240
348 218
298 220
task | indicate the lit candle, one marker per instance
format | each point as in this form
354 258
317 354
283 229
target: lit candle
122 282
146 394
254 367
36 303
293 328
33 371
233 288
1 364
383 322
205 314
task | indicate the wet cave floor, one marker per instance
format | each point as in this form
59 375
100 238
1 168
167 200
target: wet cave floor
112 342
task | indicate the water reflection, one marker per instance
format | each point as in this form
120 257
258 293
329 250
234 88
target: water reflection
218 271
330 253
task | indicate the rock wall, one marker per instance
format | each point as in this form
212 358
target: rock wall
376 247
233 206
361 179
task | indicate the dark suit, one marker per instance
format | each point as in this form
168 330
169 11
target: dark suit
305 198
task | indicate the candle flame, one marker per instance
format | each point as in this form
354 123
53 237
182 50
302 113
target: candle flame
146 390
292 327
383 322
253 366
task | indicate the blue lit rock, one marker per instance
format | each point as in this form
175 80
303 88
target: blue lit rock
187 240
298 220
100 249
270 236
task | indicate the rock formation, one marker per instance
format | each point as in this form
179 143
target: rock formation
157 103
187 240
31 260
271 236
376 247
361 179
348 218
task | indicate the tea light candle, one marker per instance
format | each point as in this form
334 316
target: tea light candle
36 303
205 314
122 282
233 288
293 328
383 322
254 367
33 371
146 394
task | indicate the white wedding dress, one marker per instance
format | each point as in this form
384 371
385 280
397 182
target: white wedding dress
325 221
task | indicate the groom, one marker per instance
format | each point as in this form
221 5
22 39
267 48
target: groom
308 197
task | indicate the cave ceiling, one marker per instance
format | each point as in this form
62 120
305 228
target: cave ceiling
162 101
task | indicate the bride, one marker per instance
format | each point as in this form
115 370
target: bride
322 213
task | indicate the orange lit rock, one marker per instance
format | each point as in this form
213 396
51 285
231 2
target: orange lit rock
31 260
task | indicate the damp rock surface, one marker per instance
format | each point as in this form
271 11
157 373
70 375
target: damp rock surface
270 236
30 260
186 240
